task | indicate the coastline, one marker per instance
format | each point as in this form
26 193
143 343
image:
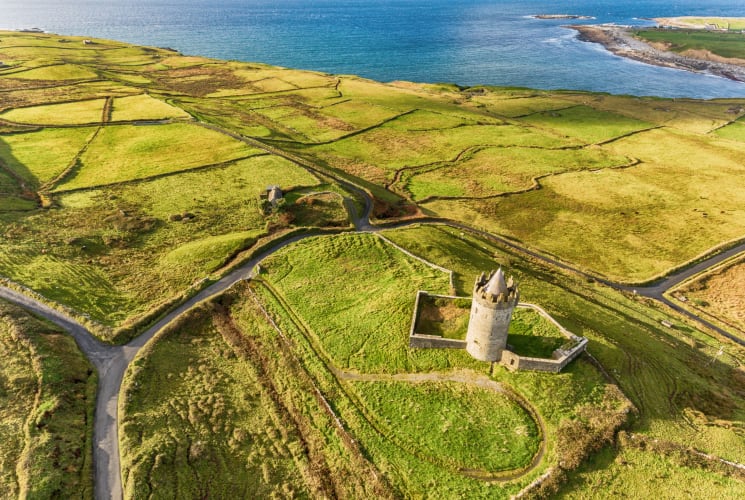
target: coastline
619 41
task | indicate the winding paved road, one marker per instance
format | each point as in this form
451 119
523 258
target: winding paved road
111 362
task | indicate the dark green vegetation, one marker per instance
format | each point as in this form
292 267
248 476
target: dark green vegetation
443 317
533 335
724 44
46 404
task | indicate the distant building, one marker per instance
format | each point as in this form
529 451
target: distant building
270 198
273 195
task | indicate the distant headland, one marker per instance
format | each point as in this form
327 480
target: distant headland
621 40
561 16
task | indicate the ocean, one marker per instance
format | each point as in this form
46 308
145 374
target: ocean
468 42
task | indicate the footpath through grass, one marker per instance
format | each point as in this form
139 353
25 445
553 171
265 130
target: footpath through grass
47 391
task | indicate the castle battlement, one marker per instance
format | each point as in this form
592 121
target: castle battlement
494 289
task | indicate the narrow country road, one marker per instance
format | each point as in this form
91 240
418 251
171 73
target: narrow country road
111 362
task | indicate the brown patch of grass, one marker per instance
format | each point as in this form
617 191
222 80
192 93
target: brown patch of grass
198 81
721 294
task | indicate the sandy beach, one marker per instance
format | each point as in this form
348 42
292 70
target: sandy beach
619 41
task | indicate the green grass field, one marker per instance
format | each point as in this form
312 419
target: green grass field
356 293
629 224
722 44
421 141
121 221
684 390
632 473
456 425
496 171
56 72
586 124
46 405
171 229
127 152
533 335
731 23
69 113
144 107
734 131
577 393
42 155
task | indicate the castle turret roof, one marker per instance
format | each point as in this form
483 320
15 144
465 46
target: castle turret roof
497 284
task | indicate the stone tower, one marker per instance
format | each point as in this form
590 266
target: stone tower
494 299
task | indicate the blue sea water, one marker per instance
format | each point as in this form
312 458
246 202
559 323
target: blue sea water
468 42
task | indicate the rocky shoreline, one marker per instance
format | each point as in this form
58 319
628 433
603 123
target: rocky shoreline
560 16
618 40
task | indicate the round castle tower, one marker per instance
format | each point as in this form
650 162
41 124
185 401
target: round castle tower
494 299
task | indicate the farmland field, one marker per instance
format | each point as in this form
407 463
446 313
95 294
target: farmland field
69 113
143 107
722 44
416 143
127 152
171 229
133 178
40 156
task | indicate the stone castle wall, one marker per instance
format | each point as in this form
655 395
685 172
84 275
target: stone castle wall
514 362
433 341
